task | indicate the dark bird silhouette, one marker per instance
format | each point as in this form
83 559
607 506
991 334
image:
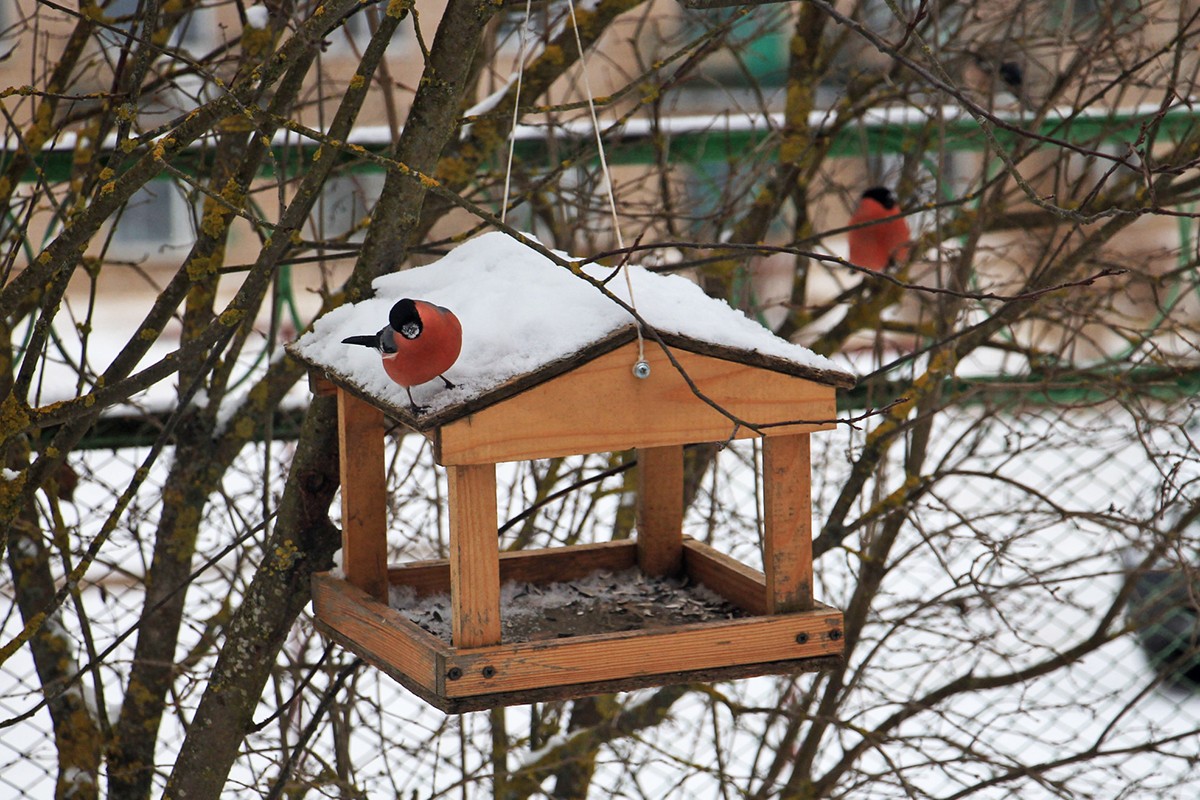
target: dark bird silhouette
883 242
1164 610
420 342
1010 73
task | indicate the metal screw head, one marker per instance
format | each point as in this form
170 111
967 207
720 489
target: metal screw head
801 638
641 370
454 673
489 671
835 634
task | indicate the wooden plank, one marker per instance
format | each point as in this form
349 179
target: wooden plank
584 659
601 407
787 519
660 510
474 556
548 694
746 588
531 566
320 385
364 494
378 633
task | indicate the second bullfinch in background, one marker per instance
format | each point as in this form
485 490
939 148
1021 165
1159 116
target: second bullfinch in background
885 241
420 342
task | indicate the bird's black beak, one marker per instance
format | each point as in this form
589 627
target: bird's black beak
366 341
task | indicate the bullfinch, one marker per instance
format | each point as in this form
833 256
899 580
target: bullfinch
885 240
420 342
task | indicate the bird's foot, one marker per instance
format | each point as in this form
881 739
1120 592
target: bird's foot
419 410
449 385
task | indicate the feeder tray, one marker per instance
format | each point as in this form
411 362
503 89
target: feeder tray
585 401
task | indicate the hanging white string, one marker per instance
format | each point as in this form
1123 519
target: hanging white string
512 134
641 369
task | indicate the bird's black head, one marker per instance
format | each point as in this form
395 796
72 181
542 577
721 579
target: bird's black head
405 320
881 195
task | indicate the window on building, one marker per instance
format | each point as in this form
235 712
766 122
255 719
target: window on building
195 33
345 202
156 224
546 19
353 35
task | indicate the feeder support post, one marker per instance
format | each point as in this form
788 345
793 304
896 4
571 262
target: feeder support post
364 494
660 510
787 517
474 555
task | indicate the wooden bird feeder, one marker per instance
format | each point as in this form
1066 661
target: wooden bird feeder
589 403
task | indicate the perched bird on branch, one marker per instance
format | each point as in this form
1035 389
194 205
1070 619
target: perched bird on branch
883 242
420 342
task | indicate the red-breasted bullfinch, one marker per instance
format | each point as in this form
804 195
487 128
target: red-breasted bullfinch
419 343
883 243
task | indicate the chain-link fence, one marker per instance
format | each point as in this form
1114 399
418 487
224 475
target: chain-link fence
999 649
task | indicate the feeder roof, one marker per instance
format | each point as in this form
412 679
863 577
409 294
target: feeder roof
526 319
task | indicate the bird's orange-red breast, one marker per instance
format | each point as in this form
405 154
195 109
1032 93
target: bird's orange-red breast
420 342
885 242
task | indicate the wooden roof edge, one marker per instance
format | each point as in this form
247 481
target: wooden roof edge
753 358
428 422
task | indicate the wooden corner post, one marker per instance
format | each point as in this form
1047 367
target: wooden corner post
474 556
787 507
364 494
660 510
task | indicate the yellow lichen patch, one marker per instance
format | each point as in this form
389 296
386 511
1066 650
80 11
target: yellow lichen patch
14 416
44 258
257 42
357 81
236 123
454 171
232 193
286 555
244 428
199 268
213 222
398 8
106 174
552 55
232 317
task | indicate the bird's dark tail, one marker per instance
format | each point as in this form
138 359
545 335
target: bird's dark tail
366 341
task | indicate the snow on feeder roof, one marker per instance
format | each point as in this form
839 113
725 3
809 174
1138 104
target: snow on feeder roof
526 319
